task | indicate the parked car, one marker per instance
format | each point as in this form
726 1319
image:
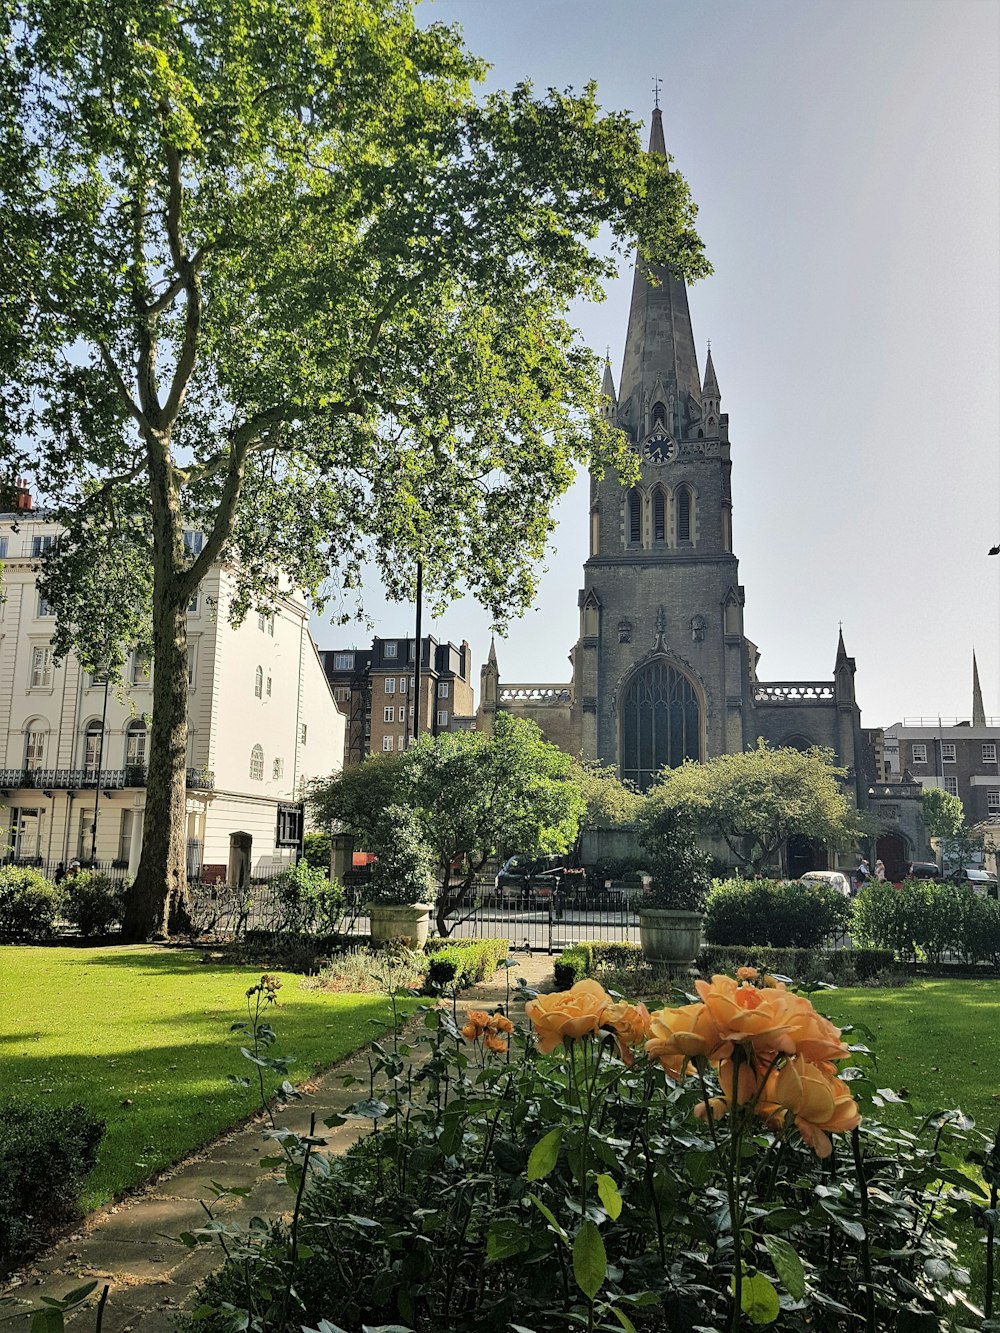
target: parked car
980 881
923 870
522 878
834 878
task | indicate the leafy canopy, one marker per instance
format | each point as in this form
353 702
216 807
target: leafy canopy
758 798
943 813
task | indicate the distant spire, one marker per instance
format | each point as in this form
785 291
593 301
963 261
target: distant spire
978 711
710 388
657 143
492 659
608 387
841 650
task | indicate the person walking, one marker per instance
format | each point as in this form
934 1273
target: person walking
880 870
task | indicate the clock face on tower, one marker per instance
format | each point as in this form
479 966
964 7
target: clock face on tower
659 449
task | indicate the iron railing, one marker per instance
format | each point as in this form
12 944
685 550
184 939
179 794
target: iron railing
80 779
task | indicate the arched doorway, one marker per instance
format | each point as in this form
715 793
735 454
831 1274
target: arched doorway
893 851
660 723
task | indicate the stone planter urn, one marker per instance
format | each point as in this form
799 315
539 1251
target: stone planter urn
670 936
394 921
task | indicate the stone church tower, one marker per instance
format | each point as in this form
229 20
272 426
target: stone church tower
662 670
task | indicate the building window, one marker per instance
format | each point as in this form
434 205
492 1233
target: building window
342 694
390 684
43 607
258 683
989 754
951 786
947 752
386 743
660 722
194 603
193 542
3 548
92 749
442 717
390 648
26 834
278 768
634 517
919 754
442 689
270 624
125 835
267 687
388 713
402 684
289 831
192 663
659 517
257 764
302 733
135 745
402 743
39 545
41 667
261 619
993 800
85 846
343 661
683 514
139 669
34 749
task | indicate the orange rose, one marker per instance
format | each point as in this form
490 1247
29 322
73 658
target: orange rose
478 1016
495 1043
815 1037
741 1085
820 1103
747 974
629 1023
745 1015
570 1014
682 1033
470 1032
501 1024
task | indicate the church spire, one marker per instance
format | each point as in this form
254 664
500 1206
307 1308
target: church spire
841 650
978 711
711 385
660 362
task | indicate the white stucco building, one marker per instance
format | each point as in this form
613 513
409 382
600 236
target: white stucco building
262 720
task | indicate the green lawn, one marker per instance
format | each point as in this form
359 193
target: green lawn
140 1036
937 1039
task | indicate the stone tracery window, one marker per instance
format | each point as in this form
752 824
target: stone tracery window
634 517
660 722
659 516
683 514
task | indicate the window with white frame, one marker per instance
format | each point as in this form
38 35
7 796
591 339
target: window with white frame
261 621
192 663
993 800
138 669
343 661
442 689
92 748
258 683
41 667
303 732
257 764
390 648
85 845
125 835
390 684
135 744
918 753
951 786
270 624
342 694
3 548
278 768
948 752
388 713
989 754
442 717
34 747
195 602
193 542
43 608
267 685
39 545
402 742
402 684
386 742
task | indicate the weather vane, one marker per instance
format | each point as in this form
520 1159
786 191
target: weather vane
657 81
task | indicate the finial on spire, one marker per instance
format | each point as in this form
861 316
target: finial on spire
657 84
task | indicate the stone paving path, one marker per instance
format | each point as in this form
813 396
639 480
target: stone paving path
128 1246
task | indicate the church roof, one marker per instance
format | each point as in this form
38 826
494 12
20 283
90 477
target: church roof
660 341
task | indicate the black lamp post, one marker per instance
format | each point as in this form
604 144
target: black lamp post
100 774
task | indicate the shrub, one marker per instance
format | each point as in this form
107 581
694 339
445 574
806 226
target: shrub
45 1153
404 871
361 970
93 902
463 962
591 957
29 905
317 848
679 868
306 900
785 914
925 919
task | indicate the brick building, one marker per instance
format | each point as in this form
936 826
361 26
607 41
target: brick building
374 687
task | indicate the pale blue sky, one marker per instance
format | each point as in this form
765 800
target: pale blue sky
845 157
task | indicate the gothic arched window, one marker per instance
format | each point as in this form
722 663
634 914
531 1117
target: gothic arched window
660 722
258 683
659 516
634 517
659 415
683 514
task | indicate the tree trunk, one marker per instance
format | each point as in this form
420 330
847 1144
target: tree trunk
444 905
157 901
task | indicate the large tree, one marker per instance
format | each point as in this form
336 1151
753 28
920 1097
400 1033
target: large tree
944 815
270 272
473 795
755 800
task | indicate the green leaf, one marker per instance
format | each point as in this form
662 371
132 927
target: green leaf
623 1319
590 1260
545 1154
699 1167
506 1238
549 1216
787 1265
758 1299
47 1321
609 1196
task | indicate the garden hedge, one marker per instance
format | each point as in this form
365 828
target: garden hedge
463 961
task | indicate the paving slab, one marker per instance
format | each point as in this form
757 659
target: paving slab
151 1276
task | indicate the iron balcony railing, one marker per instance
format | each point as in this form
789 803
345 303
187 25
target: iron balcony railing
79 779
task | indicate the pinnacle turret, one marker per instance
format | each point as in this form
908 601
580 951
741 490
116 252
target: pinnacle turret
978 711
710 388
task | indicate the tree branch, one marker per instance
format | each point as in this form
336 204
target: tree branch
187 275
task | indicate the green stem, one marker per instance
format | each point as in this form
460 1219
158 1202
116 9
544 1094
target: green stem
866 1253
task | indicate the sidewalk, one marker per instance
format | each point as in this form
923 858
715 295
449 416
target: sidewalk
128 1246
